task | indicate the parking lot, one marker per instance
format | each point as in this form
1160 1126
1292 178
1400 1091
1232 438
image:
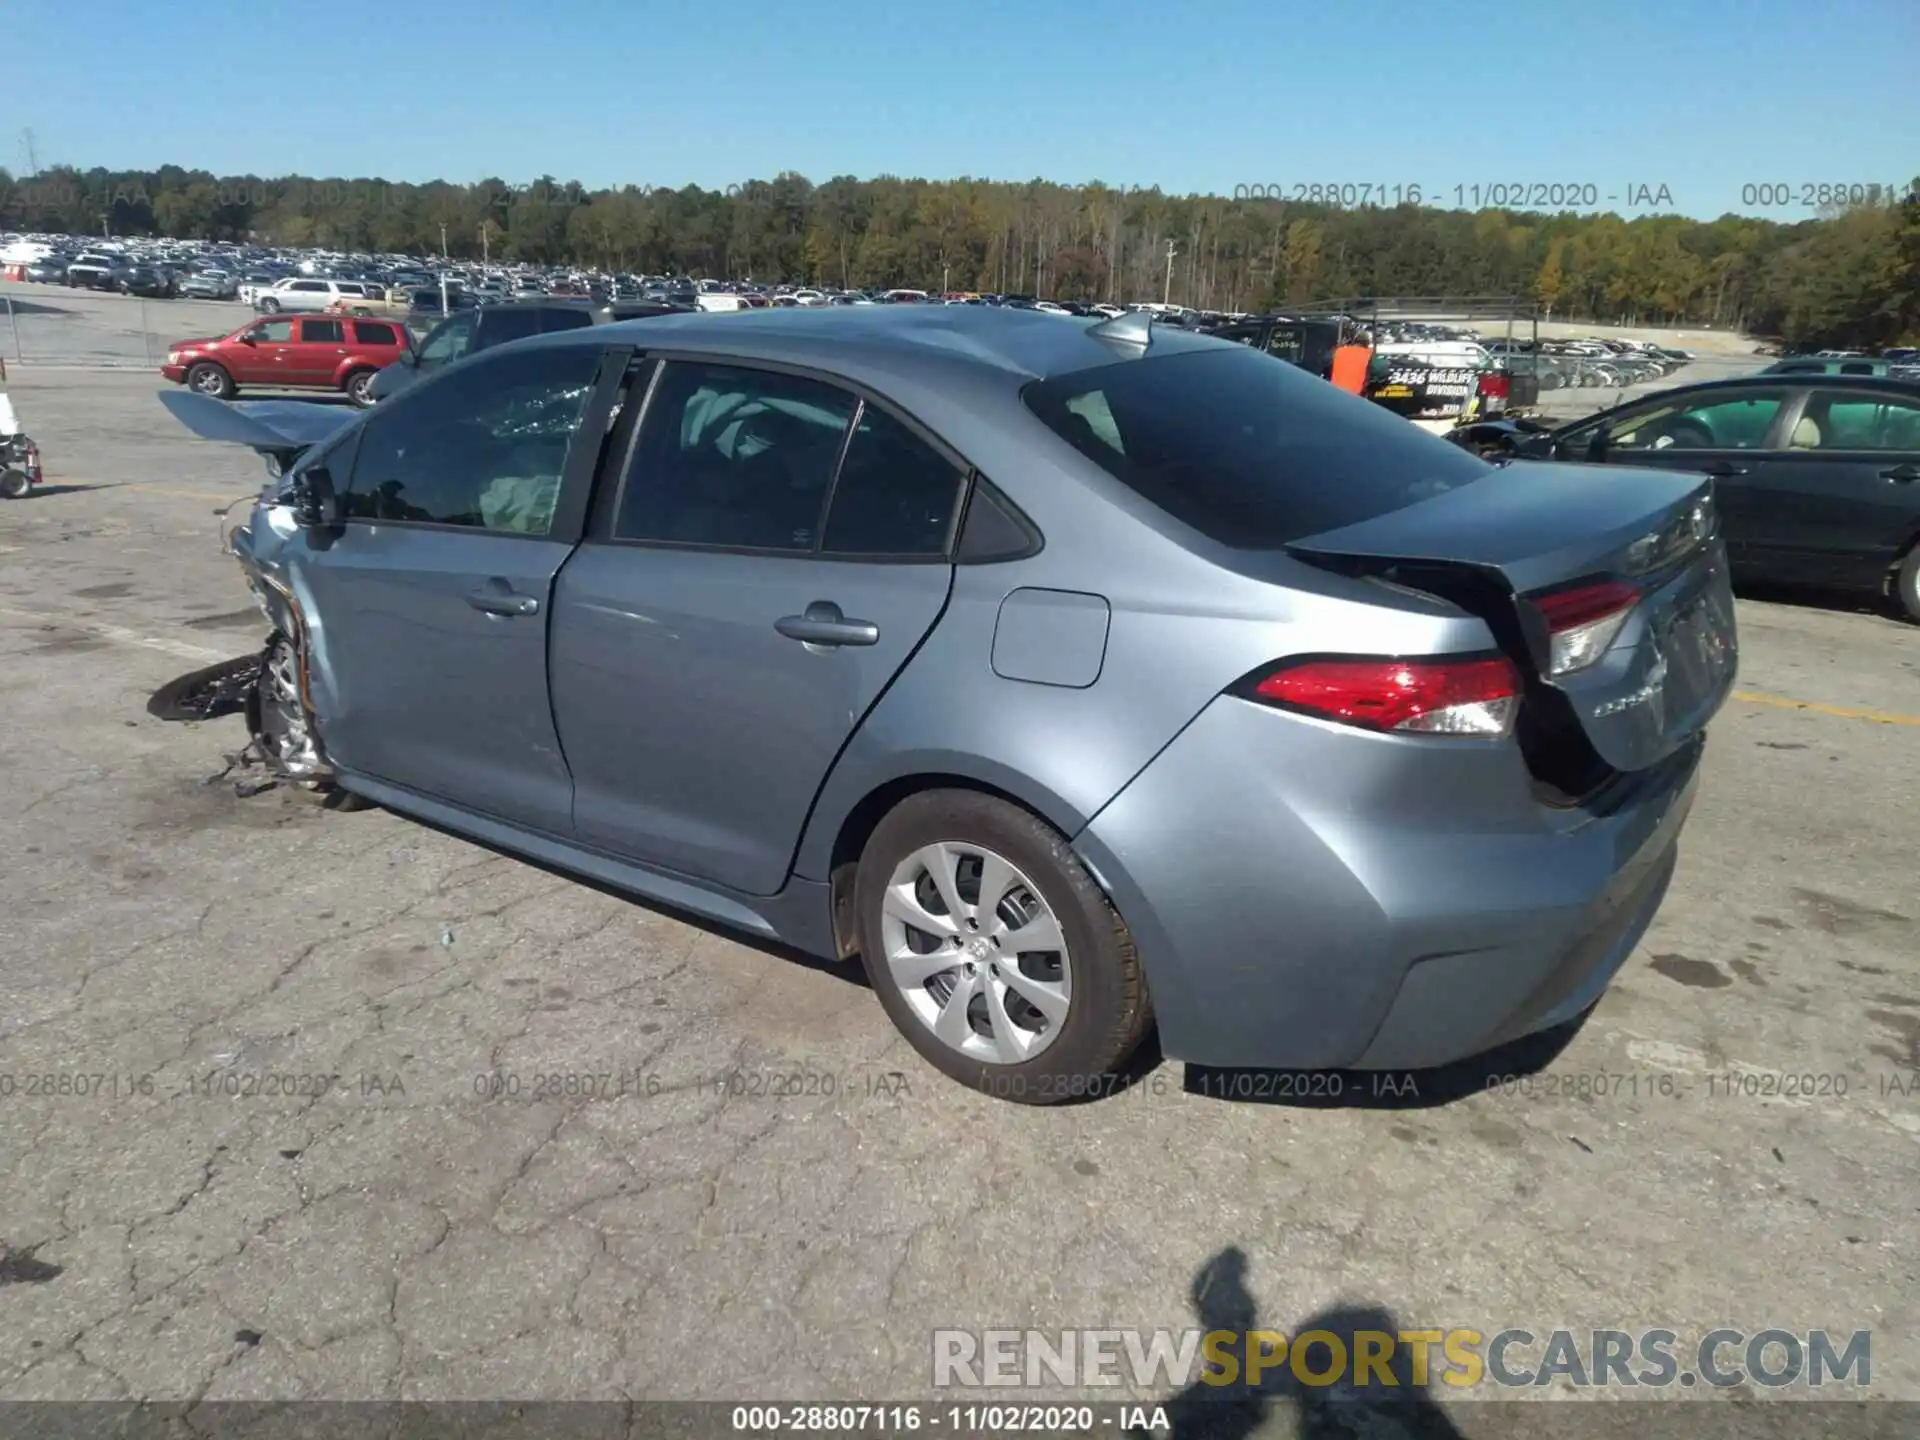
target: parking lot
432 1213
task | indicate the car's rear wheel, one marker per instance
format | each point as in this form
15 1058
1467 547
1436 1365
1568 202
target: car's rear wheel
359 387
209 379
1906 584
994 952
13 483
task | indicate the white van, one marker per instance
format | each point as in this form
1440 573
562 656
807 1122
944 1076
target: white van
720 303
1448 354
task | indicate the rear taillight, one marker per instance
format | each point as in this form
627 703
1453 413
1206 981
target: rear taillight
1433 697
1583 621
1495 385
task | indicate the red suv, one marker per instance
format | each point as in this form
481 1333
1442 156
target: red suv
306 352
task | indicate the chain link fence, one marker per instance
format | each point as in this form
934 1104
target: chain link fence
52 325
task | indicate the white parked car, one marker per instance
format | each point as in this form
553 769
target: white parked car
298 293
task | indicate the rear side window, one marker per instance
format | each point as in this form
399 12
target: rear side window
569 318
372 332
895 494
322 332
1251 452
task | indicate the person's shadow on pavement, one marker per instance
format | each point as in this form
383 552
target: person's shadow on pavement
1336 1411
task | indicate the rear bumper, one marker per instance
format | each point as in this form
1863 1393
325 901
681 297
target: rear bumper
1310 896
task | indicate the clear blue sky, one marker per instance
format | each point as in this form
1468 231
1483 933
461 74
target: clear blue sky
1699 96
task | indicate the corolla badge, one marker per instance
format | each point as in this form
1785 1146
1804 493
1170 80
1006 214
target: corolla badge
1652 693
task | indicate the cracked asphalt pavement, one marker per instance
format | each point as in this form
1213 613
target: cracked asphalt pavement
279 1115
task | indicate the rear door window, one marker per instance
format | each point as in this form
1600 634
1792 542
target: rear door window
322 332
895 494
1249 452
566 317
734 458
1843 420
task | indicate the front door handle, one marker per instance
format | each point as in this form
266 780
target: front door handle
823 624
1902 474
498 599
1721 469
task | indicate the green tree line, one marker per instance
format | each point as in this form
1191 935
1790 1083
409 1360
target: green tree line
1848 278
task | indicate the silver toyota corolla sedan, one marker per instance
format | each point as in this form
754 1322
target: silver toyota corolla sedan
1077 677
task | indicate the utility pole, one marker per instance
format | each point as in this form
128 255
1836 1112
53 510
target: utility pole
1166 296
33 153
946 274
485 253
443 242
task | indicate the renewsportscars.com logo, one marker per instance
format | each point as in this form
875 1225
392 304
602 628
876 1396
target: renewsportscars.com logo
1461 1358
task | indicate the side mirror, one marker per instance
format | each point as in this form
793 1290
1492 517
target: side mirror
1601 442
249 339
315 504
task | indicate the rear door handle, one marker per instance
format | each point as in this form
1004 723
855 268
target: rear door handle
498 599
823 624
1723 468
1902 474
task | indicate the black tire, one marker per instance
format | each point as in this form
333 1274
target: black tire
1110 1010
13 483
209 693
269 306
207 378
1906 584
356 386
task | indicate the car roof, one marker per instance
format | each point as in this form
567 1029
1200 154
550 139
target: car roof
907 341
1801 378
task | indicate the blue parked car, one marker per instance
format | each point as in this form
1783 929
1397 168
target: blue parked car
1075 676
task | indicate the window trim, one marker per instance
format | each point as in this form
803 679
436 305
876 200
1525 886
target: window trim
602 532
576 476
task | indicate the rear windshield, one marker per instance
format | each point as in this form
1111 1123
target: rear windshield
1246 449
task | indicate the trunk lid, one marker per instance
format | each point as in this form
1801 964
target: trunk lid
1529 528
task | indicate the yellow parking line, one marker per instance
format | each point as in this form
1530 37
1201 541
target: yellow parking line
1839 712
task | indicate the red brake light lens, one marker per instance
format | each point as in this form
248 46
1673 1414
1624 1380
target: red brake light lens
1584 621
1436 697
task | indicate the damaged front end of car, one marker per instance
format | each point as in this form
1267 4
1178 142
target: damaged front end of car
272 688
